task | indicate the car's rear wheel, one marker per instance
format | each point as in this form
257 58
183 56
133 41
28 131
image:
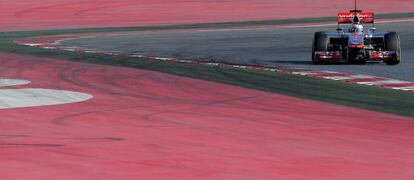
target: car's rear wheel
320 43
392 43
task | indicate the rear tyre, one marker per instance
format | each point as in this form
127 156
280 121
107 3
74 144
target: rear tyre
320 43
392 43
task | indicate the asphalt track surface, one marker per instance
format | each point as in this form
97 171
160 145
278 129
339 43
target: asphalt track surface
264 46
147 125
47 14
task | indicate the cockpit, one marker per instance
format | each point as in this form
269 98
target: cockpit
355 28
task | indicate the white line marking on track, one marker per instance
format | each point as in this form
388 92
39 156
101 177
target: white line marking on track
12 82
341 78
305 73
31 97
411 88
33 44
49 47
386 82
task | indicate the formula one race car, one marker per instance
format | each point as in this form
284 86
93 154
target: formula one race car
354 44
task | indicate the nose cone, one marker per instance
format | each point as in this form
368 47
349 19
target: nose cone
356 40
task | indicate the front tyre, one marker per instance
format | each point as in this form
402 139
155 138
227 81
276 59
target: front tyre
392 43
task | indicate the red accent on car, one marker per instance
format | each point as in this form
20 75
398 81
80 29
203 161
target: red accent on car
381 55
364 17
356 46
330 55
376 55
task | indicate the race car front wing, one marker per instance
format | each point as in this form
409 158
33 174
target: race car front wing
338 56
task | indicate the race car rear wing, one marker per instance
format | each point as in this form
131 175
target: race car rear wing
351 17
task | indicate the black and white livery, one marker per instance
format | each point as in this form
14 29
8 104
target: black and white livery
356 44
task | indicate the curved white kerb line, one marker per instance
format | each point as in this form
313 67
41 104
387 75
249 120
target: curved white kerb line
33 97
13 82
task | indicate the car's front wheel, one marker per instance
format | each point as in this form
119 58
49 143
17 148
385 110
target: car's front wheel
392 43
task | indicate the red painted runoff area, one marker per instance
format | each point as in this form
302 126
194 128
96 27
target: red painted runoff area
147 125
51 14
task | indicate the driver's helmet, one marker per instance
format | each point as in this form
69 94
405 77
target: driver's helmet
356 28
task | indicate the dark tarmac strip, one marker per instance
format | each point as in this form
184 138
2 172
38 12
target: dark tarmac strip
263 46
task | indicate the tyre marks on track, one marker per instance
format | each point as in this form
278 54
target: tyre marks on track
143 124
